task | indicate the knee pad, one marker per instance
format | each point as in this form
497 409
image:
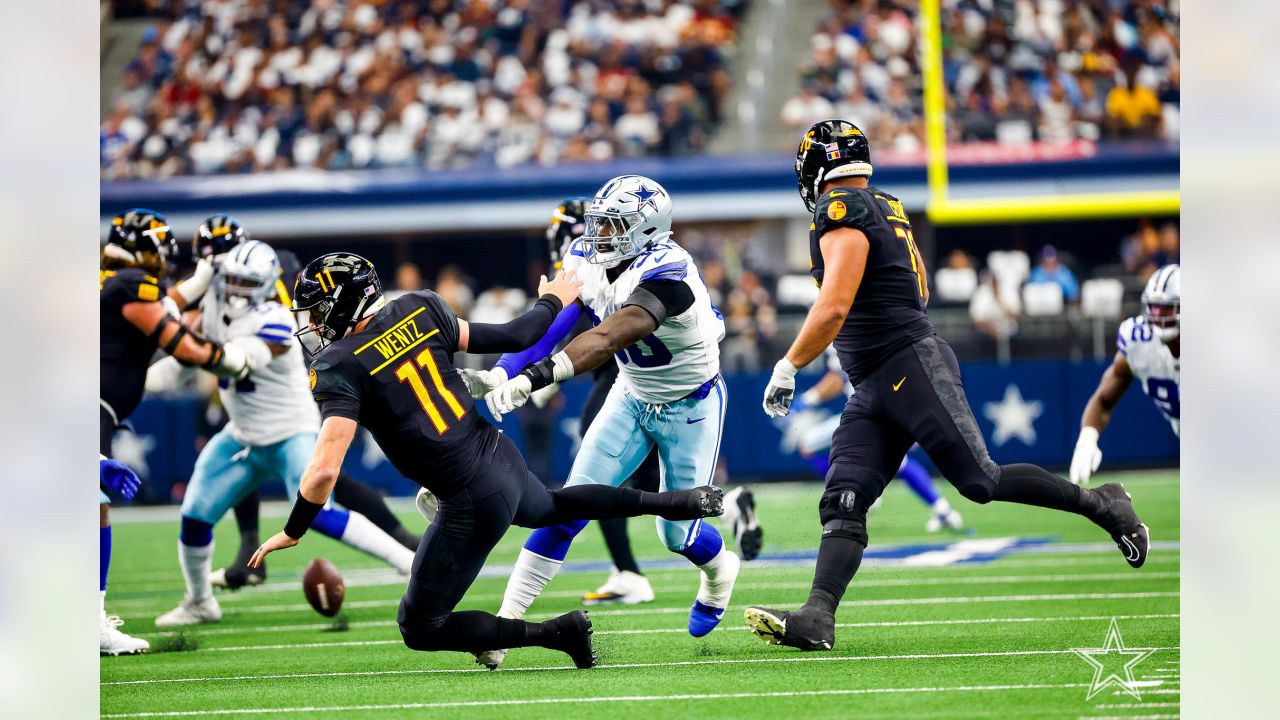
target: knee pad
843 512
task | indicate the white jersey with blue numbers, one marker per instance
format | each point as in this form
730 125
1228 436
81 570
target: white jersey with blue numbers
684 352
274 402
1153 365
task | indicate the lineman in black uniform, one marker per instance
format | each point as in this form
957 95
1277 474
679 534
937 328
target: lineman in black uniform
906 379
216 236
389 367
134 320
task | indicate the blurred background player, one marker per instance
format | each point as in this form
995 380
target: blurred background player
389 366
653 315
215 237
1148 347
809 430
873 290
119 478
271 429
134 321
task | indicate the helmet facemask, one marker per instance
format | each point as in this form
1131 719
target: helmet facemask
608 239
238 293
1164 319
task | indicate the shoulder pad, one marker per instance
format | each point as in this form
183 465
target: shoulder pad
842 207
133 284
663 262
274 323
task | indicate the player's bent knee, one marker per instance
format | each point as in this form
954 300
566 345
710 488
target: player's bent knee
675 535
843 513
979 490
424 634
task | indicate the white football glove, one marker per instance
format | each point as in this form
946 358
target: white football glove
543 396
482 382
509 396
781 388
1087 456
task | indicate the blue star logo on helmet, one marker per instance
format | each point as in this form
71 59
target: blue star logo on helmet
645 196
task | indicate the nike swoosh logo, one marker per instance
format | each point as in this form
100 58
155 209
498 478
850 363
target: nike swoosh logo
899 383
695 420
837 194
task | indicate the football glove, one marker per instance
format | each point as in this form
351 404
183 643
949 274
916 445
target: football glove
118 477
781 389
509 397
1087 457
482 382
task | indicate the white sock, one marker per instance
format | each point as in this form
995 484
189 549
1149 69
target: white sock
940 506
104 605
718 575
530 576
196 563
363 535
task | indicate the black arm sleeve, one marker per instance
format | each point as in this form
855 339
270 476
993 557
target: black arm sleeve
518 334
662 298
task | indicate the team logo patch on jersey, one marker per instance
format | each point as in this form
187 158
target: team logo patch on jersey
836 210
311 375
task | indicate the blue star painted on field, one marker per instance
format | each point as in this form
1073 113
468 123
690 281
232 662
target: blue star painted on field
645 196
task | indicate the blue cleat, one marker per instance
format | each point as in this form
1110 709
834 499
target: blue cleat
703 618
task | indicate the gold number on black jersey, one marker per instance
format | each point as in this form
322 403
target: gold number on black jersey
910 240
408 371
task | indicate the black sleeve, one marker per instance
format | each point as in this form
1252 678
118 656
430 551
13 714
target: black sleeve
336 391
844 207
518 334
662 298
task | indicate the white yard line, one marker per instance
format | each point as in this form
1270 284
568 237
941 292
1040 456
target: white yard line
616 666
681 629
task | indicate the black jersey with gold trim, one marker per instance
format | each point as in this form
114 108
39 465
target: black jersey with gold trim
397 379
124 351
888 312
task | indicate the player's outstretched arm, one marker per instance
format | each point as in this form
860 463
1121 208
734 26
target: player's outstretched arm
844 253
524 331
317 484
1097 415
187 347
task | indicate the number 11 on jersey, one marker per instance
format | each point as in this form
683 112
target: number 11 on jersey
910 240
409 372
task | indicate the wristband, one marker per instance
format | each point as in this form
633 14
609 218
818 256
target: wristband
554 369
304 513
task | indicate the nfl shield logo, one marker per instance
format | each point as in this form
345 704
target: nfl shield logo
833 151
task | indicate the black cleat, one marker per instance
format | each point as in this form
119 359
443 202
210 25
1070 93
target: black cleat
573 637
741 514
238 575
806 628
1120 520
699 502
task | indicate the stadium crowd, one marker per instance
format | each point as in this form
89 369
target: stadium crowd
250 85
1045 70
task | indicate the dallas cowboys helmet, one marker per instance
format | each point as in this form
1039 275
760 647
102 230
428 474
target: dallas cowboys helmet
1162 300
628 214
246 277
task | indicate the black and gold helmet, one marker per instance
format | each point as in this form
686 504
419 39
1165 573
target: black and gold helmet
139 238
567 224
830 149
218 234
337 291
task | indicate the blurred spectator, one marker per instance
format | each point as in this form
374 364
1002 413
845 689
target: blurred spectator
1051 269
1015 71
498 305
958 259
408 279
245 85
994 308
452 285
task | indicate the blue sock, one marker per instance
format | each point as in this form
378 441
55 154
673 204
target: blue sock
820 463
331 523
104 556
195 533
917 478
553 542
706 544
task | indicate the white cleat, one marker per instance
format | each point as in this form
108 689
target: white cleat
622 588
491 659
949 520
427 504
191 612
114 642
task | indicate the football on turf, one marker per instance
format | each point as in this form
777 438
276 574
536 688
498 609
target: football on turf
324 587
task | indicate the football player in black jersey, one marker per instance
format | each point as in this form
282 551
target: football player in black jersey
216 236
871 303
389 367
135 318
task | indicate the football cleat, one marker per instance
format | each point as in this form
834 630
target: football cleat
114 642
949 520
573 637
622 588
806 628
1119 519
491 659
238 576
740 517
713 596
703 501
427 504
191 612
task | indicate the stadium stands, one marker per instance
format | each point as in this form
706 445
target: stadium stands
244 86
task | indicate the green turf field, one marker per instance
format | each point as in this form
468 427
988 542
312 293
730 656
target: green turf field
960 640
